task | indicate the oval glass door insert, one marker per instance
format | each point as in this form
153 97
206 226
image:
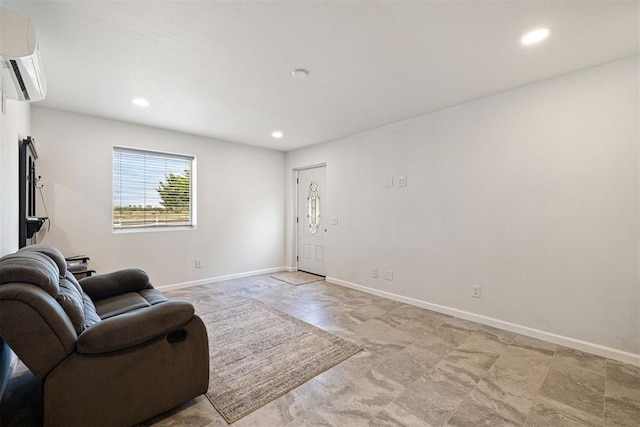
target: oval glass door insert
313 208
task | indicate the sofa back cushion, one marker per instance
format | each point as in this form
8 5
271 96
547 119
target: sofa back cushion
77 304
39 265
33 268
50 251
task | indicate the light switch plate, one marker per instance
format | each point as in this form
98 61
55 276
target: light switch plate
388 181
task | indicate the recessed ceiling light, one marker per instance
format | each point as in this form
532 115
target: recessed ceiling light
140 102
300 73
277 134
535 36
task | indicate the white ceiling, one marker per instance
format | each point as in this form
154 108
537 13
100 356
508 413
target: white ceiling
222 68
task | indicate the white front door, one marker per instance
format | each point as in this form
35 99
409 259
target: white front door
311 220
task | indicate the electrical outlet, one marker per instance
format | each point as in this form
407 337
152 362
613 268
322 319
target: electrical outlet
198 263
475 291
374 273
402 181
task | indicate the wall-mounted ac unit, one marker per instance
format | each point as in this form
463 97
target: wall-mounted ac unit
22 74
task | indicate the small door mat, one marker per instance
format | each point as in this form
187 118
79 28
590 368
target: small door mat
297 277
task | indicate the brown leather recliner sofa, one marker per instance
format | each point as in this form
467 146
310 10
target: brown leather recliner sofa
109 350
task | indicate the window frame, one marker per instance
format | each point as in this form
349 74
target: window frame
192 196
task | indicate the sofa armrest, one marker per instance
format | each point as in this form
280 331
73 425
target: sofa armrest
111 284
133 328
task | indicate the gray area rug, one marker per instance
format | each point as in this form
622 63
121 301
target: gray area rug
258 353
297 277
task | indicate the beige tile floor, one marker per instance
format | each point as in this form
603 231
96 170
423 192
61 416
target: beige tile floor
418 368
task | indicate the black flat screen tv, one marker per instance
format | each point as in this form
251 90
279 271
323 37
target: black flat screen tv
28 222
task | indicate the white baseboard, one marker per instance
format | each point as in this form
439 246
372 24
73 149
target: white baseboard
221 278
588 347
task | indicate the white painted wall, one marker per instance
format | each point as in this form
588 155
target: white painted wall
15 124
240 200
532 194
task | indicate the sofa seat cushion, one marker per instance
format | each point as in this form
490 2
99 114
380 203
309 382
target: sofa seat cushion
123 303
153 296
119 304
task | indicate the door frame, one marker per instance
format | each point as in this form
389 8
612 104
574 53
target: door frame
296 213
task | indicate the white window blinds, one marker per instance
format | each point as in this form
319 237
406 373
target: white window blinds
152 190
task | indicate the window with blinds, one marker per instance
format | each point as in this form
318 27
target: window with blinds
152 190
